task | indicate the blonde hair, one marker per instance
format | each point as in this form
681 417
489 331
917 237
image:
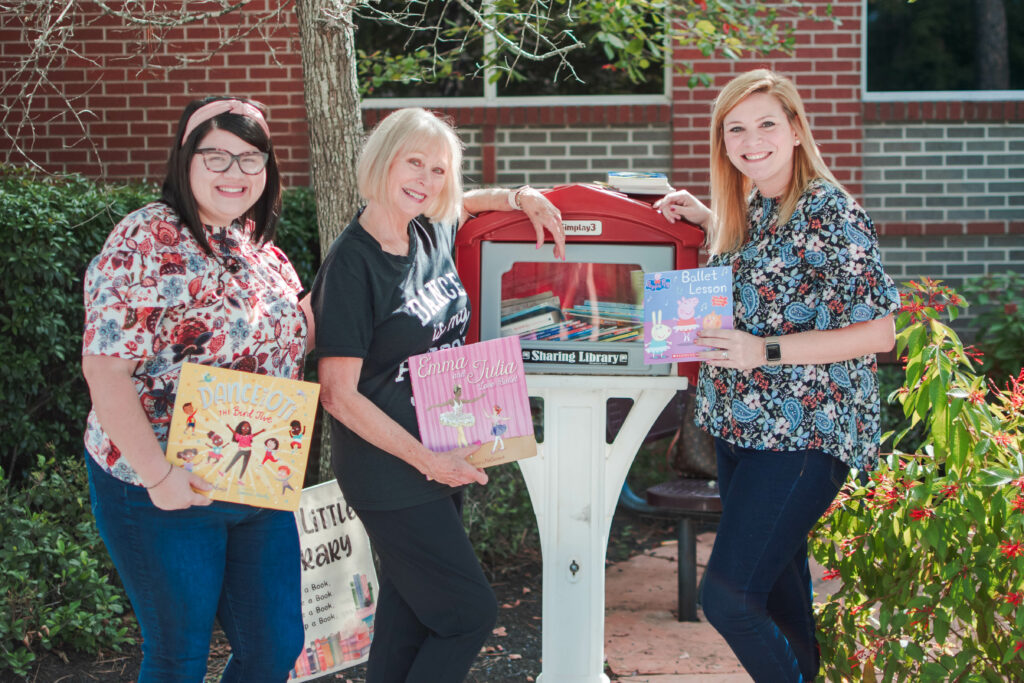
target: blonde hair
730 189
406 130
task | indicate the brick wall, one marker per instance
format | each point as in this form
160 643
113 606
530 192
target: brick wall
552 156
944 171
826 70
132 106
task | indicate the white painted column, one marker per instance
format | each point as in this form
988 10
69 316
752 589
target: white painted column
574 484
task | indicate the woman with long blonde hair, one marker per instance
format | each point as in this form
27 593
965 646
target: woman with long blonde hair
790 394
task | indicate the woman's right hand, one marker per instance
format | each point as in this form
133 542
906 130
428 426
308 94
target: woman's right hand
452 469
180 490
682 204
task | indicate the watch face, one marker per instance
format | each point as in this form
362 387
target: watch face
772 351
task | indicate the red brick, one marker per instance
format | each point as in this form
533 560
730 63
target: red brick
148 155
944 229
813 80
1015 228
899 229
986 228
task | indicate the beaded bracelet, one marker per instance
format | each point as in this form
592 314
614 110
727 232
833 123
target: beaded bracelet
162 479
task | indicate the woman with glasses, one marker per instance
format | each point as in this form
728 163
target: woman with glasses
194 277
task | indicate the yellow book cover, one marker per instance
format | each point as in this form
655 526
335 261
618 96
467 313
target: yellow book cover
246 434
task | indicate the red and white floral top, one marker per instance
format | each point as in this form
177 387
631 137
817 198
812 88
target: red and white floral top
152 295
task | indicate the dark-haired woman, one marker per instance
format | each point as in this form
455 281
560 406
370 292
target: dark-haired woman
194 277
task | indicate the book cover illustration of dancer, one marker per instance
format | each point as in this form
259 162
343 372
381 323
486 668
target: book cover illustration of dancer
190 421
283 475
498 428
295 432
215 446
243 436
271 445
456 417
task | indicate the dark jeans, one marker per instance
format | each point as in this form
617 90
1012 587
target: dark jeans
436 607
757 588
182 568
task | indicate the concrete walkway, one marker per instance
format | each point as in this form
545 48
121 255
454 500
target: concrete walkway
643 641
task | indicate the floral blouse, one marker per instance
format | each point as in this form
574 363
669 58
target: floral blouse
819 271
153 296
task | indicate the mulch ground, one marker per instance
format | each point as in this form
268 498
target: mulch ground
511 654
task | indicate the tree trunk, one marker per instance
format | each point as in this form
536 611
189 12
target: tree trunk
991 48
327 36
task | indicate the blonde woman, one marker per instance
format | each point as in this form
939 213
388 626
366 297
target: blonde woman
790 394
387 290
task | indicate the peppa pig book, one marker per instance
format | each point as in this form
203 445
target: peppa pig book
680 303
246 434
475 394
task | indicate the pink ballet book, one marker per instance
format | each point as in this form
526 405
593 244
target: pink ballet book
475 394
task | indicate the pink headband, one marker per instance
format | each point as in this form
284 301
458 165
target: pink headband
218 107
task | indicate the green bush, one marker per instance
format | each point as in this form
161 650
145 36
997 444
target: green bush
499 517
1000 324
54 569
929 548
51 228
297 233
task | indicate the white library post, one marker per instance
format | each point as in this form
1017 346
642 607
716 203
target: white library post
574 483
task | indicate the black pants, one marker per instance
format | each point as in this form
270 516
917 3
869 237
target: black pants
436 607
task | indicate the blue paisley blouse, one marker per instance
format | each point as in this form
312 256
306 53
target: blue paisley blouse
153 296
819 271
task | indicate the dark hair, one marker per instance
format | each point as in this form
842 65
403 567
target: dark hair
177 189
234 432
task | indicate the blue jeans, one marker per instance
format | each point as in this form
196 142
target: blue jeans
182 568
757 588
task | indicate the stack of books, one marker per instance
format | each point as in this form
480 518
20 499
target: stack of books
523 315
594 321
639 182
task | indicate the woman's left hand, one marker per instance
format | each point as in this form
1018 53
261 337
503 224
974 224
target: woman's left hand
545 216
731 349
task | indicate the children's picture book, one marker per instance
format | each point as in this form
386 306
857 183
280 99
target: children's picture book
678 304
475 394
339 584
246 434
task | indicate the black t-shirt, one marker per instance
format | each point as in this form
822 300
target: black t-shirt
384 308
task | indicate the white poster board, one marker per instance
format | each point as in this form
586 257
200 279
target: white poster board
339 584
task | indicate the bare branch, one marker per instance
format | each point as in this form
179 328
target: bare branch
152 18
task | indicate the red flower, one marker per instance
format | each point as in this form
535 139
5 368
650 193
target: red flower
950 490
976 397
1014 598
833 574
1019 483
1018 646
921 513
703 4
1011 549
1002 438
1018 503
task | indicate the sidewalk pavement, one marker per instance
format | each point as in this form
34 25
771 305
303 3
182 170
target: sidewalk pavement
643 641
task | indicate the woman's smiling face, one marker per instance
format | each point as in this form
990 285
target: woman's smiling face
416 177
223 197
759 142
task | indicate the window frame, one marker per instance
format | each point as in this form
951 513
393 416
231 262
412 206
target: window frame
491 98
921 95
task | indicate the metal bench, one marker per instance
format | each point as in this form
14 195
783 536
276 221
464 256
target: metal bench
691 501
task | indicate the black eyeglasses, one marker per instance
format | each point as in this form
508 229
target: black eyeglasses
219 160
